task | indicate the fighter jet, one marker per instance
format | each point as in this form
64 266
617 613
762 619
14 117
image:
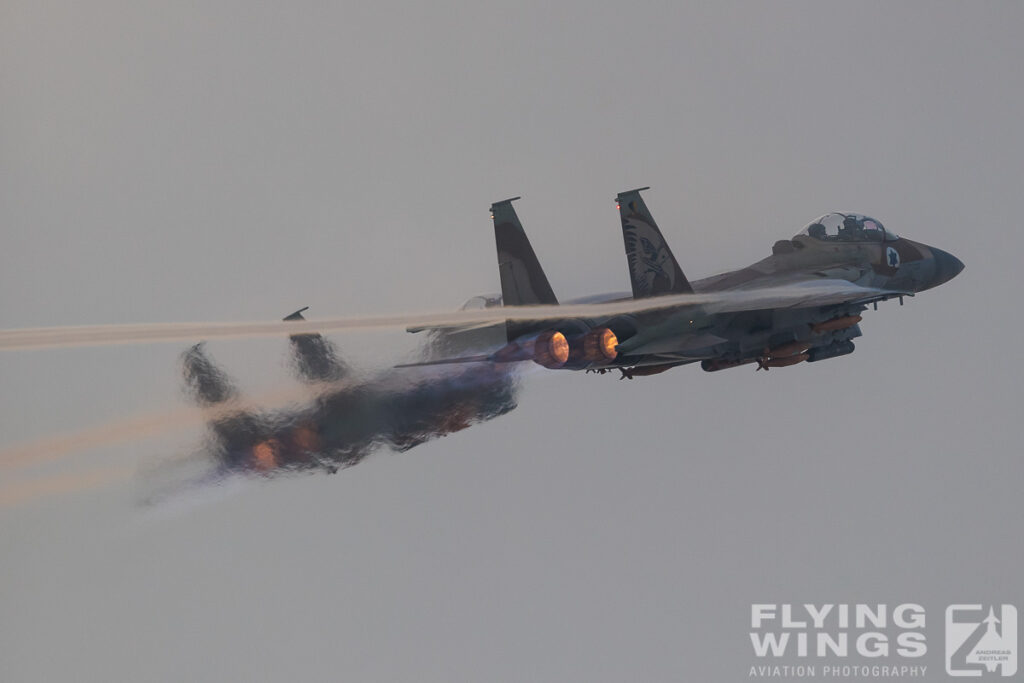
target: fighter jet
803 303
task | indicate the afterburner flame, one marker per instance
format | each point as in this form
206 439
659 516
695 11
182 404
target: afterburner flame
599 345
559 347
264 455
551 349
306 438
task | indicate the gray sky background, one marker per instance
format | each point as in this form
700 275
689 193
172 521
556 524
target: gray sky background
235 161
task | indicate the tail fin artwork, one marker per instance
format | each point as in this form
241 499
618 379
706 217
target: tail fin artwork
522 279
653 269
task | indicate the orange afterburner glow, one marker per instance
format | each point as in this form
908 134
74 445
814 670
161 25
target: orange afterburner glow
551 349
264 455
599 345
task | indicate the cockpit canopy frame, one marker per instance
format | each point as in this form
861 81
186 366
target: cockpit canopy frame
848 227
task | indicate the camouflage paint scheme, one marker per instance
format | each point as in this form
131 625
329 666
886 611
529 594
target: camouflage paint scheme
861 261
351 416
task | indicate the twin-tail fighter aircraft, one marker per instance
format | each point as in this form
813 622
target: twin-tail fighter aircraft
802 303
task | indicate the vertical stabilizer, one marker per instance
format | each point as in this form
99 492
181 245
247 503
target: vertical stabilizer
522 279
653 269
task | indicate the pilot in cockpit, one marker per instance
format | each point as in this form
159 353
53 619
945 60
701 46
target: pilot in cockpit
851 230
839 227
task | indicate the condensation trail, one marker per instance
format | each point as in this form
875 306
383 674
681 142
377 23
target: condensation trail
105 335
129 429
24 492
146 426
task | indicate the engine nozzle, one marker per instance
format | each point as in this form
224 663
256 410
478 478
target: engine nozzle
551 349
599 346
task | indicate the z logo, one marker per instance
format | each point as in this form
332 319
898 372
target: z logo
979 645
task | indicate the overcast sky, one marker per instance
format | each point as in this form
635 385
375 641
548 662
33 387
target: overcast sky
235 161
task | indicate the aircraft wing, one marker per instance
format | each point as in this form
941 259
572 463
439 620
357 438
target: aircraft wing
808 294
802 294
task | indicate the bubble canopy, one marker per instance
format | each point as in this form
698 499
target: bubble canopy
848 227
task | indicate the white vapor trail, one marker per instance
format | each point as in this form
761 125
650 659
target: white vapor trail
793 295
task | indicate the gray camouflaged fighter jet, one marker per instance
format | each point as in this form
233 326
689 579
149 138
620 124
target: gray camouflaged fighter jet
802 303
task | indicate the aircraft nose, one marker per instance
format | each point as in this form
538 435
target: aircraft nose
947 266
